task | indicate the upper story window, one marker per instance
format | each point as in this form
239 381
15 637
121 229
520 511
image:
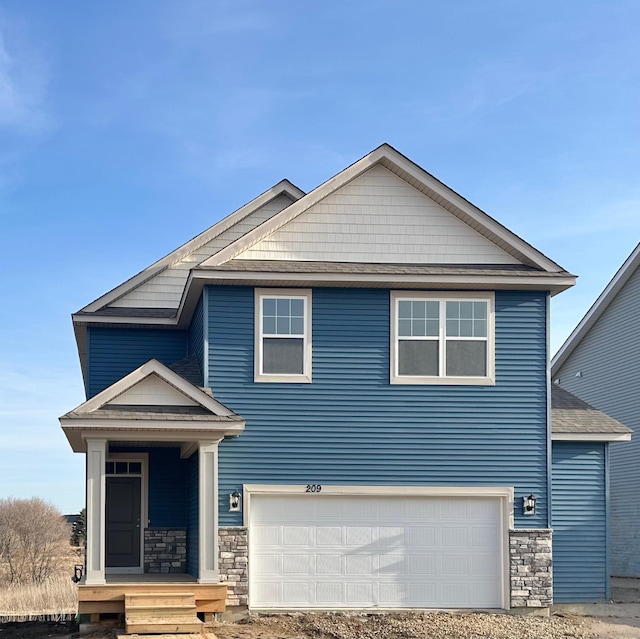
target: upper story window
442 338
283 335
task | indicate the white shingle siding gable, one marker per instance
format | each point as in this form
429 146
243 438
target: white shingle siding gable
165 289
378 217
153 391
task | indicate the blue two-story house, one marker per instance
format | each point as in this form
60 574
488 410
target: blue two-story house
338 400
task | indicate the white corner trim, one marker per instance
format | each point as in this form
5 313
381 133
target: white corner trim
301 293
284 187
591 437
601 304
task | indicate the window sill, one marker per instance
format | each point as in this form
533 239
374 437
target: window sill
444 381
283 379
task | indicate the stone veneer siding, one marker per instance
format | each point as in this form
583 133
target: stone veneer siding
165 550
531 571
233 563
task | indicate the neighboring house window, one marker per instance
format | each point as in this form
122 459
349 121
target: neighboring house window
283 335
442 338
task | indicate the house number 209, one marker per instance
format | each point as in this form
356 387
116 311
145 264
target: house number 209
313 488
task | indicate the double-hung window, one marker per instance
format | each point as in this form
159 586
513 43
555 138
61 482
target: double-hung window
442 338
283 335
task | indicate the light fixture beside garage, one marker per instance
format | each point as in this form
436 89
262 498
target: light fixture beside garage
529 504
234 501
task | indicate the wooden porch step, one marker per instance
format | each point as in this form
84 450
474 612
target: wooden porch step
161 613
161 625
139 599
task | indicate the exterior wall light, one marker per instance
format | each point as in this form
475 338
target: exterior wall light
234 501
529 504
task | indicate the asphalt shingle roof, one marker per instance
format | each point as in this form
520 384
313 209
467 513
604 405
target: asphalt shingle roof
291 266
569 414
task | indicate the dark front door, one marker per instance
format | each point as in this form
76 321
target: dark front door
123 522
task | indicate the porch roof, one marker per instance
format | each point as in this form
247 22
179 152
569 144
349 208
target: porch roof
152 403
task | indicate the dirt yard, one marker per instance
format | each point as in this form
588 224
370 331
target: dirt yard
378 626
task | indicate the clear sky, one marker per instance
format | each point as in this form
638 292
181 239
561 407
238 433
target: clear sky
126 128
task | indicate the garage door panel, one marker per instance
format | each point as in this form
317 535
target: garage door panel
359 593
329 565
392 565
455 536
329 536
484 537
329 553
426 537
295 536
330 593
391 537
423 564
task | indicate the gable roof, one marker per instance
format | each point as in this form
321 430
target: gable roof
624 273
388 157
152 403
573 419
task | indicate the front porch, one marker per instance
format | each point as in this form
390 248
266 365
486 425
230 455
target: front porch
152 547
151 603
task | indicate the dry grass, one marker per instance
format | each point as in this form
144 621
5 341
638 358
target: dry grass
54 599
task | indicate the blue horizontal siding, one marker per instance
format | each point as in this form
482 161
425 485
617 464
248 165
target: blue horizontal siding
167 485
115 352
195 342
579 522
351 426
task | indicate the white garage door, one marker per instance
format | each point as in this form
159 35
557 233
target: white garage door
323 551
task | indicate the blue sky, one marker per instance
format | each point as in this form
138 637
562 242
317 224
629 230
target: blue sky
126 128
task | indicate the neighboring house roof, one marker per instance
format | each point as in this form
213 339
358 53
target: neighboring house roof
152 403
573 419
612 289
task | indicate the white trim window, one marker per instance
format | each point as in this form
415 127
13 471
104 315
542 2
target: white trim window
283 335
442 338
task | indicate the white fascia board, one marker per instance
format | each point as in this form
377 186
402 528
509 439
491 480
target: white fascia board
591 437
597 309
78 435
392 159
284 187
543 281
172 378
114 319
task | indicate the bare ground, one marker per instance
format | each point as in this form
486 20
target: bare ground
379 626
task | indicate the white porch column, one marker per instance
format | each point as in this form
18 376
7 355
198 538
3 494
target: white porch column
208 507
96 460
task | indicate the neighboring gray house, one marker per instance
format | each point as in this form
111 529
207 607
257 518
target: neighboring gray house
600 363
